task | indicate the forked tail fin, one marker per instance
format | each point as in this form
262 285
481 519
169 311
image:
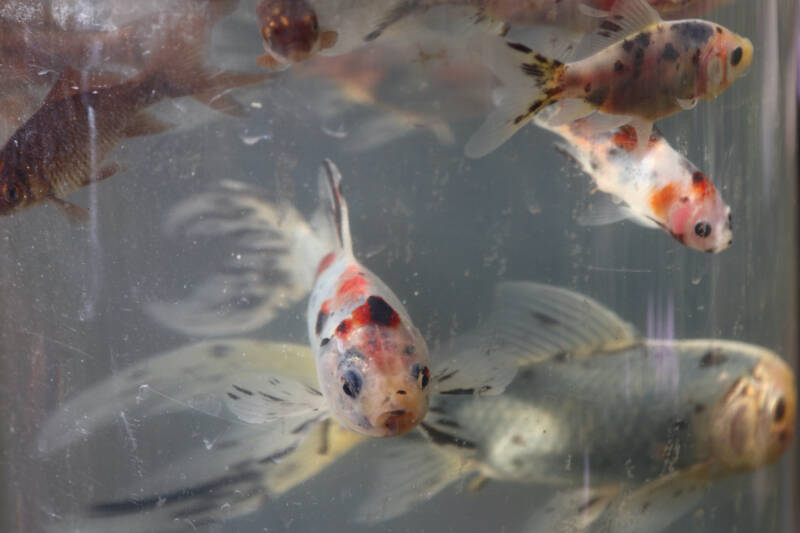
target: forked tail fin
532 81
333 208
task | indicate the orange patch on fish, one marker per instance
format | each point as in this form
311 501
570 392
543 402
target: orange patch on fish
325 263
352 286
662 200
702 186
376 311
625 138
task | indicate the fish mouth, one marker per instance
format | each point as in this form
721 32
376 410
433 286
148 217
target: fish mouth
396 422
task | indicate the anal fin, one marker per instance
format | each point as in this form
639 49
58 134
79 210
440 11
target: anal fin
146 124
75 214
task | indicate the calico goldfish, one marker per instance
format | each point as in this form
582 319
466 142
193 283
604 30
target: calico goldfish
640 69
662 189
610 424
64 145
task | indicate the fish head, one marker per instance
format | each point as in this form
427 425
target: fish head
727 60
377 378
289 28
754 421
14 192
700 218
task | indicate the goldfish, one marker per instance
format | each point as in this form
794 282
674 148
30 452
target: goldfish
662 189
655 421
373 365
640 69
63 146
572 15
291 32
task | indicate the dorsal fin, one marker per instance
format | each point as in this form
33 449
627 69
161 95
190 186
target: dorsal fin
626 18
334 205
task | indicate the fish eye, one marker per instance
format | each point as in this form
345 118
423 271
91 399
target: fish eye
11 193
422 374
736 56
351 383
780 410
702 229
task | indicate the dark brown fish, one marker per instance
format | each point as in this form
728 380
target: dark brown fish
62 147
291 32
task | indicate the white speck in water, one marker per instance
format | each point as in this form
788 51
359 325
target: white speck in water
250 140
696 281
256 105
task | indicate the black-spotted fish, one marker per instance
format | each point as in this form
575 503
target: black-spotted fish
639 69
662 189
291 32
645 420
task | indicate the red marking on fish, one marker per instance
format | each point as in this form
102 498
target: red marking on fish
376 311
325 263
353 286
702 186
625 138
344 328
662 200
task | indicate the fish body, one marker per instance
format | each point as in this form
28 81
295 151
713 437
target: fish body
640 69
372 362
63 146
662 187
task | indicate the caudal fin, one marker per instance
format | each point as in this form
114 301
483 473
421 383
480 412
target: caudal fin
532 82
271 264
332 217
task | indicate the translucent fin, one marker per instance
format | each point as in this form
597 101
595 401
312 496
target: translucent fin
225 479
328 39
599 123
655 505
387 127
643 130
333 204
264 397
602 210
271 265
567 111
537 322
531 83
146 124
395 14
327 442
411 471
75 214
625 18
573 510
195 378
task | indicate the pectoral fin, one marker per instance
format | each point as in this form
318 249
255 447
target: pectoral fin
75 214
146 124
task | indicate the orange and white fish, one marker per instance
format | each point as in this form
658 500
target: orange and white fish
640 69
372 362
291 32
661 189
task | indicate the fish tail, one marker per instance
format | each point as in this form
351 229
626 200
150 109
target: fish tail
270 265
533 81
178 69
332 221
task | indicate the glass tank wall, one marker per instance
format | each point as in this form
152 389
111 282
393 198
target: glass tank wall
164 223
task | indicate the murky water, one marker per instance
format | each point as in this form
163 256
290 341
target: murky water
441 230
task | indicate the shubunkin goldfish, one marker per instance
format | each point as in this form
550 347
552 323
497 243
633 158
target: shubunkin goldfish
641 69
661 189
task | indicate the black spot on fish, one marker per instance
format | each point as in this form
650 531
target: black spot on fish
736 56
645 505
442 438
243 390
561 357
313 391
270 397
322 317
638 61
409 350
719 30
669 53
697 32
350 355
449 423
275 457
232 396
220 350
598 97
519 47
699 408
447 376
532 69
643 39
619 66
588 87
609 25
381 313
544 319
401 392
713 358
324 341
305 425
680 425
457 392
698 177
696 57
627 45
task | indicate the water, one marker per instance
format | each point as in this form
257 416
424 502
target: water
439 229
